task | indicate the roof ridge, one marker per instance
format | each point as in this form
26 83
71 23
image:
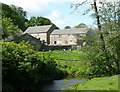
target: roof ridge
36 29
40 26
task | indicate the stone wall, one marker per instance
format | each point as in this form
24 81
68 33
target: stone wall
40 36
48 48
68 39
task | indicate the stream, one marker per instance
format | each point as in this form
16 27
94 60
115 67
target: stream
58 84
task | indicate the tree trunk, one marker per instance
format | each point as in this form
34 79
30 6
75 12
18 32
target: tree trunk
102 41
99 26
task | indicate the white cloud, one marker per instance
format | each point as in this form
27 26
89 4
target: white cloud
41 8
34 8
60 23
54 15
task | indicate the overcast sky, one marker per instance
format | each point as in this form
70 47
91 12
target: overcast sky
58 11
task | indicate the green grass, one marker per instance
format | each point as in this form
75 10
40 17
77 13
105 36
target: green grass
70 61
67 55
102 83
81 66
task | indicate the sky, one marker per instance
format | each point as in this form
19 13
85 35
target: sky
58 11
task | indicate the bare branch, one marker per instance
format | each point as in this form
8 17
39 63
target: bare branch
77 5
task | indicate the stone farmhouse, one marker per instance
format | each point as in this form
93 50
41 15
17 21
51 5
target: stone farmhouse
67 36
41 32
57 37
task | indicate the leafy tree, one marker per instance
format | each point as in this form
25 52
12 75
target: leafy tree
8 28
32 21
39 21
16 14
108 31
19 11
67 27
104 55
81 25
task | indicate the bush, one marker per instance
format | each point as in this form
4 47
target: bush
104 62
24 68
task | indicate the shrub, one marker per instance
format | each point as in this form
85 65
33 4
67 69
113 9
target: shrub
24 68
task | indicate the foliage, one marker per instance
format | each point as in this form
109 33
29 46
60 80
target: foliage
103 63
39 21
19 17
102 83
109 18
16 14
8 28
73 62
24 68
81 25
67 27
103 49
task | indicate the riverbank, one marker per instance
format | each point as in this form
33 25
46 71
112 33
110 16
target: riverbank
61 83
101 83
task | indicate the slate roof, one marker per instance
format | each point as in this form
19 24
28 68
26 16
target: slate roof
70 31
38 29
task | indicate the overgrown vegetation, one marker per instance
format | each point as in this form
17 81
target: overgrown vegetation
73 62
104 49
104 52
25 69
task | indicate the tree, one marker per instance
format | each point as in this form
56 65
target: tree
16 14
110 25
19 11
67 27
32 21
81 25
103 54
8 28
39 21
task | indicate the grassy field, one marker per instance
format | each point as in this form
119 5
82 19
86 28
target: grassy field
102 83
74 62
67 55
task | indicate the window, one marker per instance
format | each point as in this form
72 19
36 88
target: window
71 41
55 42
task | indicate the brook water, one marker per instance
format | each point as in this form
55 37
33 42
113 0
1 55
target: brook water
58 84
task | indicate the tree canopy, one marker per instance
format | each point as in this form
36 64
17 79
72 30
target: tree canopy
16 14
104 53
8 28
39 21
15 18
81 25
67 27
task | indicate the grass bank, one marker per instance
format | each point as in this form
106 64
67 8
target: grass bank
101 83
73 62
